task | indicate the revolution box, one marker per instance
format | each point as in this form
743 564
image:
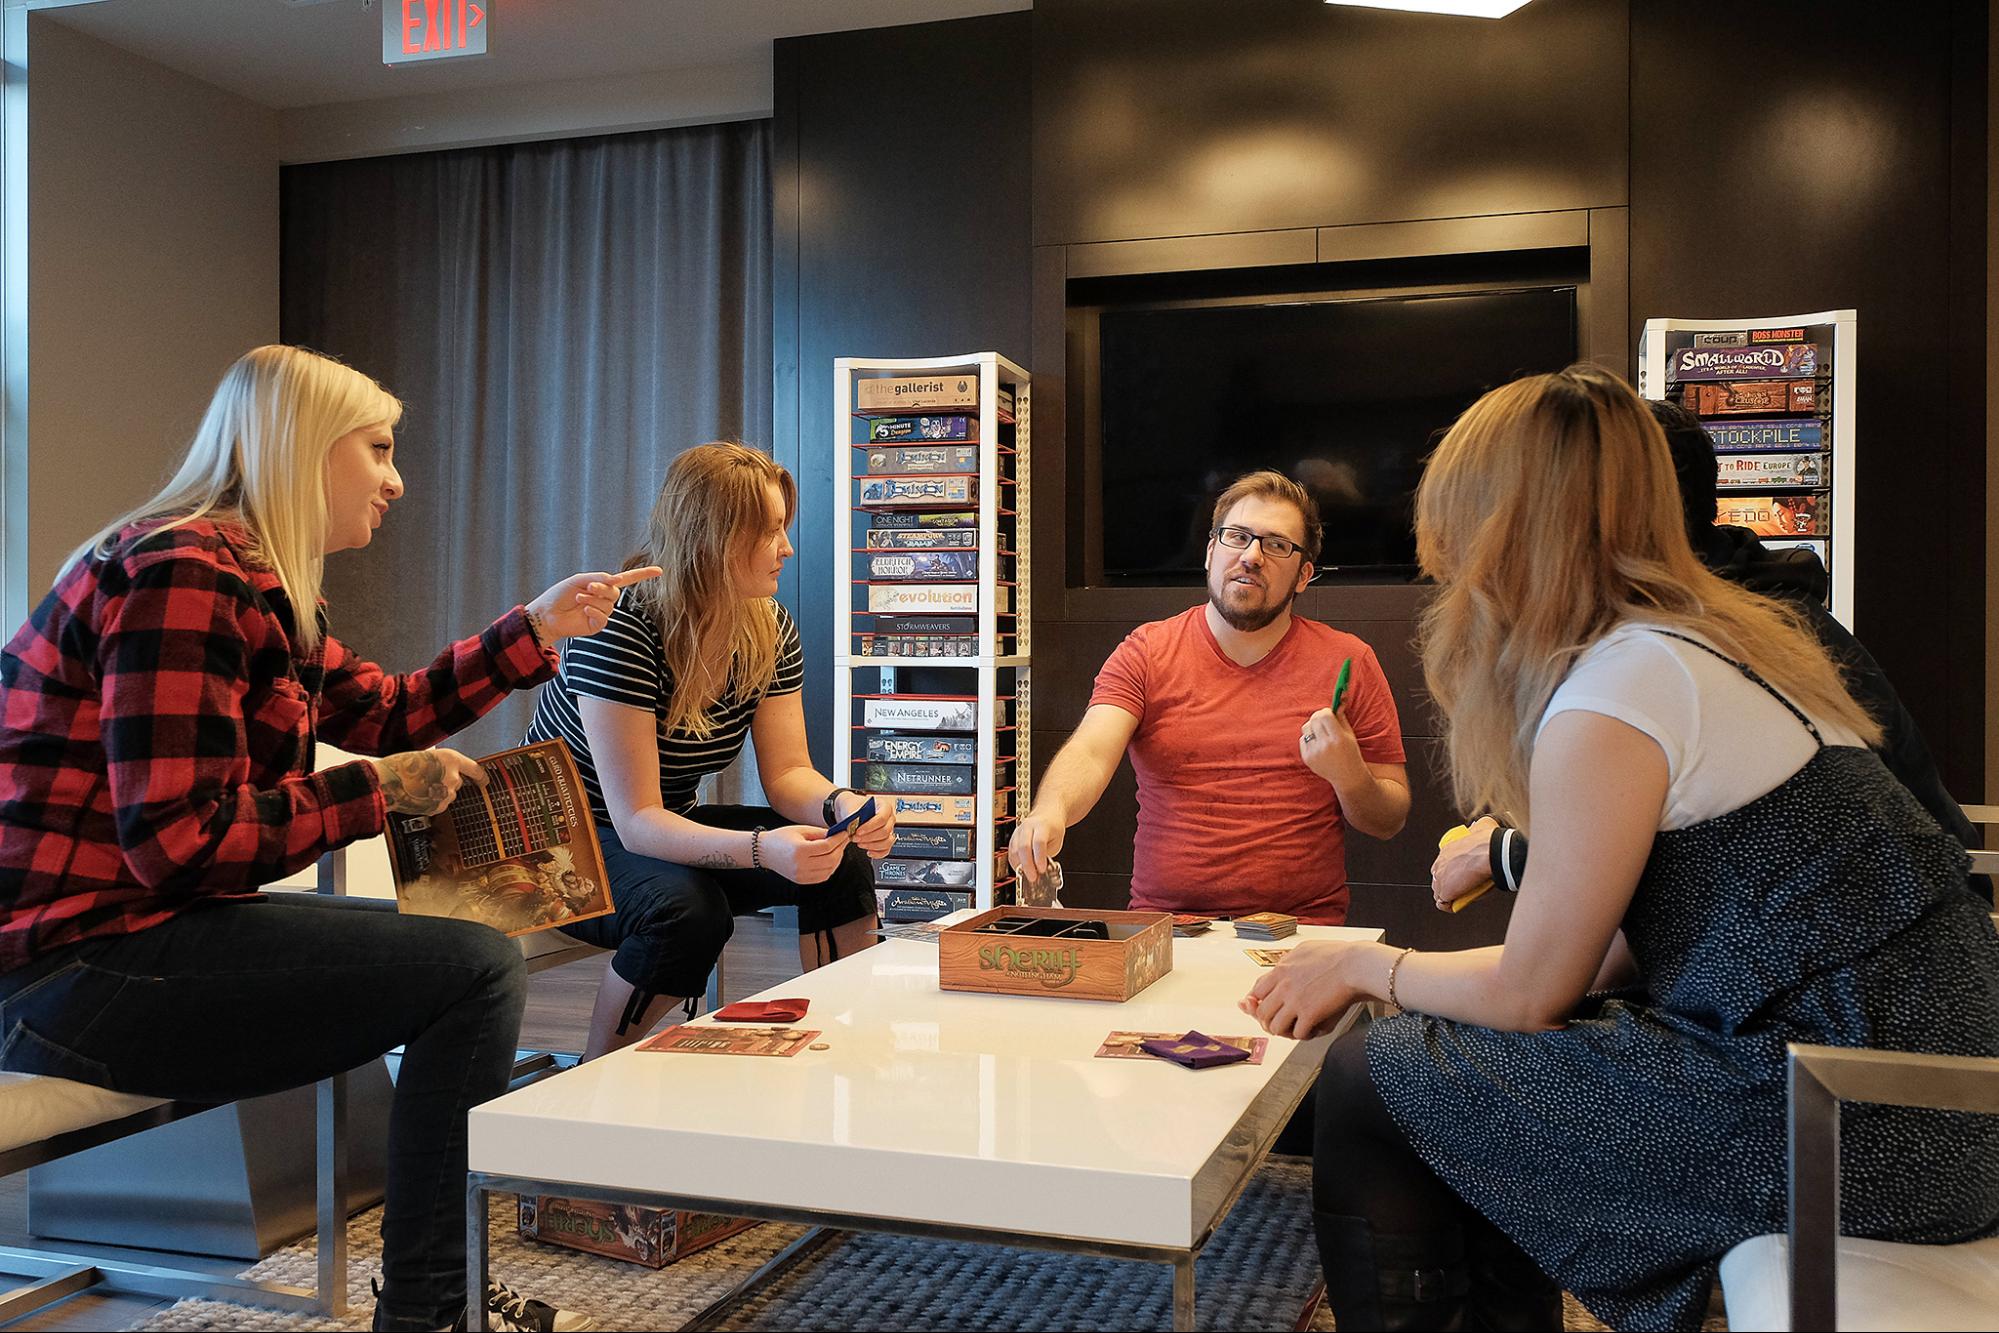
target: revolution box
972 958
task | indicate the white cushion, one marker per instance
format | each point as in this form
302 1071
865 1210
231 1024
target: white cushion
1882 1285
34 1107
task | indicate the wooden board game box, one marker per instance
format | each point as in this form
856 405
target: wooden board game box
654 1237
1059 951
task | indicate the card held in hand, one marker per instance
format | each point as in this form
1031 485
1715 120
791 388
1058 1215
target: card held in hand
688 1039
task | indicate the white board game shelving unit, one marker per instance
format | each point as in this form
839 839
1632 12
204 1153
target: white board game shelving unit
1808 448
924 617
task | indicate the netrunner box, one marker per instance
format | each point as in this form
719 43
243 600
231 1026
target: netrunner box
920 779
973 956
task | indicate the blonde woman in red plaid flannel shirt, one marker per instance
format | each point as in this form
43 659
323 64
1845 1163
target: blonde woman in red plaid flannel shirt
158 714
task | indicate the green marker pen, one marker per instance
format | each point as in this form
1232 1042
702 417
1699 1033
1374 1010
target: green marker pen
1340 685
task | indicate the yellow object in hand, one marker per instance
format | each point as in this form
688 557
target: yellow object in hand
1451 835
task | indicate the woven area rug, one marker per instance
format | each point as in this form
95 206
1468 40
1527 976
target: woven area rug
1257 1273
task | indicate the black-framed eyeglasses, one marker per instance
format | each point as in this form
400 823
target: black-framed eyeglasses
1238 539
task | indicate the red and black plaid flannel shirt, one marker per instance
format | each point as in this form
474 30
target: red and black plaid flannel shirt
157 728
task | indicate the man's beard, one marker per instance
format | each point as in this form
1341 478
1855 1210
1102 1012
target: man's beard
1247 621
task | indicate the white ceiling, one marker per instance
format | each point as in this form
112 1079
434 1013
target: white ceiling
285 54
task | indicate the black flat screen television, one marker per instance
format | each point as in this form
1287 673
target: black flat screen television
1347 396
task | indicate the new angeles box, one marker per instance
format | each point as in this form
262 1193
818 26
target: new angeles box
1067 952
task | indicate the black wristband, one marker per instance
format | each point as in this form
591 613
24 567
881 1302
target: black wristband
1507 857
827 814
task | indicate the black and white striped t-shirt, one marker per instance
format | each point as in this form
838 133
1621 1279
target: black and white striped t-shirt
625 663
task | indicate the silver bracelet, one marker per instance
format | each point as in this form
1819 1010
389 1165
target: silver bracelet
1393 968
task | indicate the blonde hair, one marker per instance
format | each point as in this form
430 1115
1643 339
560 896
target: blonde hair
1548 516
1271 485
709 512
258 461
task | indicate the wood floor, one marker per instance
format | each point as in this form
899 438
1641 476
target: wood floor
558 1014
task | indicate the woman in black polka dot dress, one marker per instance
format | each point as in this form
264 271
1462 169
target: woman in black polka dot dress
1721 867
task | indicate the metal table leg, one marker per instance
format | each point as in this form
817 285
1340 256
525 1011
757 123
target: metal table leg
1183 1292
475 1251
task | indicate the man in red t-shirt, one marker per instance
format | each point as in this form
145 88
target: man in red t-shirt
1247 780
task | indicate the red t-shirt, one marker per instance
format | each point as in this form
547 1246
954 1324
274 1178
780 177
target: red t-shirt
1230 820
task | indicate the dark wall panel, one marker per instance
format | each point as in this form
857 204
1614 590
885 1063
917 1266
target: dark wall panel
902 231
1179 117
1833 187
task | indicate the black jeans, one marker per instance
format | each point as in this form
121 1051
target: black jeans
240 999
673 920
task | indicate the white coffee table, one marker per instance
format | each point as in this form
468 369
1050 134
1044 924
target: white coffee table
932 1113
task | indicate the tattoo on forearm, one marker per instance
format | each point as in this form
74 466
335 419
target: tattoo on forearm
413 784
714 861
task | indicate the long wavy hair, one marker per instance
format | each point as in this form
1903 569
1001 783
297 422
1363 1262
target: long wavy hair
258 461
1548 516
709 515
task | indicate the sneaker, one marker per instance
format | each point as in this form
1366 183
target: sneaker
508 1310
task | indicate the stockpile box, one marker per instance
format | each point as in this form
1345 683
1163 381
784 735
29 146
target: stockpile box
652 1237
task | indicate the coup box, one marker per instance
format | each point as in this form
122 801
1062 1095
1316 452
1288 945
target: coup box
972 956
654 1237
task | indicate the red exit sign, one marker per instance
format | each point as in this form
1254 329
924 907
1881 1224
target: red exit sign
415 30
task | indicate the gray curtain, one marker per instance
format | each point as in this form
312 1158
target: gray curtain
560 319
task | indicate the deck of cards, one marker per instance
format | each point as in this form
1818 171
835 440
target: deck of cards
1265 926
1186 924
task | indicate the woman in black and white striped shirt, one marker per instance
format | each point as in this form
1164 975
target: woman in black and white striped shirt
664 695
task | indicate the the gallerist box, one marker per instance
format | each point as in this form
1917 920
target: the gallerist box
1068 952
925 458
917 393
919 492
654 1237
890 429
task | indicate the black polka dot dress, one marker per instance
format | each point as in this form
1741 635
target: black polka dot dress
1630 1150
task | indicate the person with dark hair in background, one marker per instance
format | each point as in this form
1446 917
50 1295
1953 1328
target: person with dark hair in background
1498 853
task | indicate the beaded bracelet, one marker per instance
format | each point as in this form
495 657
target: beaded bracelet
756 857
1392 969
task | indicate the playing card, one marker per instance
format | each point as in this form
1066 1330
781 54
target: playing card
1195 1050
687 1039
1266 957
1128 1045
763 1011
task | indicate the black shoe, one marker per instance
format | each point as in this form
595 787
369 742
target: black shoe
508 1310
1390 1282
